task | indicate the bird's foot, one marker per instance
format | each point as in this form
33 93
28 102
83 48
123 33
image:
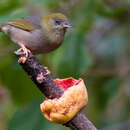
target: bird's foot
19 52
26 51
23 58
23 49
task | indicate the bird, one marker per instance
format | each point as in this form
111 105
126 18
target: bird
37 34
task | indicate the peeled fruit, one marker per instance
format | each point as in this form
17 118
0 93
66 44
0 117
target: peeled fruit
63 109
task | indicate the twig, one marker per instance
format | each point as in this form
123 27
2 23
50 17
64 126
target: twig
49 88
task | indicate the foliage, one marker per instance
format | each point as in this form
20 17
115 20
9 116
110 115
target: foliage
33 121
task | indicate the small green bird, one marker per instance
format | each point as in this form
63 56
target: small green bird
36 33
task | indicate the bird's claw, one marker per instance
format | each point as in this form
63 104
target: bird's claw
26 52
22 51
19 52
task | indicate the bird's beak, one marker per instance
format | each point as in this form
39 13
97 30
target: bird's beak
67 25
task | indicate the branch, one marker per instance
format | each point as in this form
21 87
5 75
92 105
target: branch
49 88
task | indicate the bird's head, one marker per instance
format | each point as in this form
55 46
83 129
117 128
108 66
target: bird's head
55 24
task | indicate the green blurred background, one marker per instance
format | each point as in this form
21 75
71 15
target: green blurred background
97 50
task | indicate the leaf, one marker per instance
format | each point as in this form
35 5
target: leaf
16 80
10 5
30 118
106 89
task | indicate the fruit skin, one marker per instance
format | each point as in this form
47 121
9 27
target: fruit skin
36 33
66 107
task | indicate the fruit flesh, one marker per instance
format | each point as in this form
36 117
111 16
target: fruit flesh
64 84
61 110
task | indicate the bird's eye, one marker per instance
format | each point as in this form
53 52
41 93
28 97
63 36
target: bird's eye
57 21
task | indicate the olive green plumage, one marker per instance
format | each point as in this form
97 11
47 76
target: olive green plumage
38 34
22 24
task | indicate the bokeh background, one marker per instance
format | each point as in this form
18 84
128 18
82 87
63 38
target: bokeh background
97 50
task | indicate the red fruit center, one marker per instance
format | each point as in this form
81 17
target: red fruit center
64 84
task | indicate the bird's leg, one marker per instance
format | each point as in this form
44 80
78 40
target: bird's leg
24 49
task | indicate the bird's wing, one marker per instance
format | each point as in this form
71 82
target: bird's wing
35 20
22 24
